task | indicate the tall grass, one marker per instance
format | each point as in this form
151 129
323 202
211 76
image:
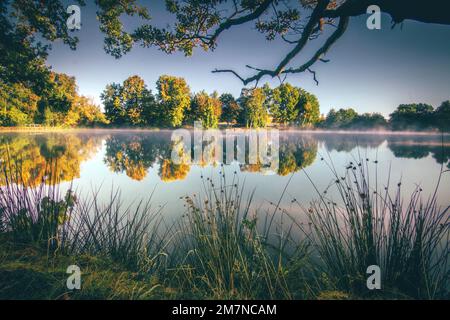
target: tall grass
369 224
33 214
131 235
227 256
41 215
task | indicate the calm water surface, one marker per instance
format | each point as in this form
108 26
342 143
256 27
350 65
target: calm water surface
139 164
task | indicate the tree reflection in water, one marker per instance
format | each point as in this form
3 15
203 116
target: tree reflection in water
134 155
29 156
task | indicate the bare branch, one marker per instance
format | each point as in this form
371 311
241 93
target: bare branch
342 26
308 30
227 24
314 76
229 71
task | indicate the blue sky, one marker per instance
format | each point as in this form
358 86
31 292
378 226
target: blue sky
370 70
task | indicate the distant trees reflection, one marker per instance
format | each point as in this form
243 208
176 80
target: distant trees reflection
420 147
134 154
46 158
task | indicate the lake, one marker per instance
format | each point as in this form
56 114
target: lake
138 164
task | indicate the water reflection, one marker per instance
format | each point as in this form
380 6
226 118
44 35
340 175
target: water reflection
134 154
421 147
29 156
348 142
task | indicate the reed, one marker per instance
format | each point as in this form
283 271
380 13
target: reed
368 223
226 255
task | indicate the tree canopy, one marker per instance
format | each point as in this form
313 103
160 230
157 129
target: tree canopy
207 108
230 108
254 112
130 103
173 98
412 116
28 27
298 23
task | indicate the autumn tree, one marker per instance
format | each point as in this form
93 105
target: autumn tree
173 100
308 109
84 113
138 101
207 109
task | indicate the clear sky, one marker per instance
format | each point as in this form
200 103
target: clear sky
370 70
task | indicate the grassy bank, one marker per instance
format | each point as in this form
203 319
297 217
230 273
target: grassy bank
223 247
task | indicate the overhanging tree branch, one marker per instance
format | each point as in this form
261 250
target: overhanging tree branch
241 20
308 30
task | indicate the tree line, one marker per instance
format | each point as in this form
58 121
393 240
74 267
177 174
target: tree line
414 116
57 103
133 104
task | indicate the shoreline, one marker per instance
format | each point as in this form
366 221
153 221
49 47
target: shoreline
284 129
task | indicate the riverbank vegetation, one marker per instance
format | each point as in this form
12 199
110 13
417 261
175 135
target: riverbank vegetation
223 247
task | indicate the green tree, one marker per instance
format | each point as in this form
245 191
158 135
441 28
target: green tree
284 103
342 118
411 116
442 116
112 102
308 109
18 104
207 109
230 108
136 99
57 99
26 28
253 104
369 121
173 100
130 103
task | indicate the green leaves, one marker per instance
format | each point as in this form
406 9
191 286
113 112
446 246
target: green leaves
207 109
130 103
254 111
173 98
